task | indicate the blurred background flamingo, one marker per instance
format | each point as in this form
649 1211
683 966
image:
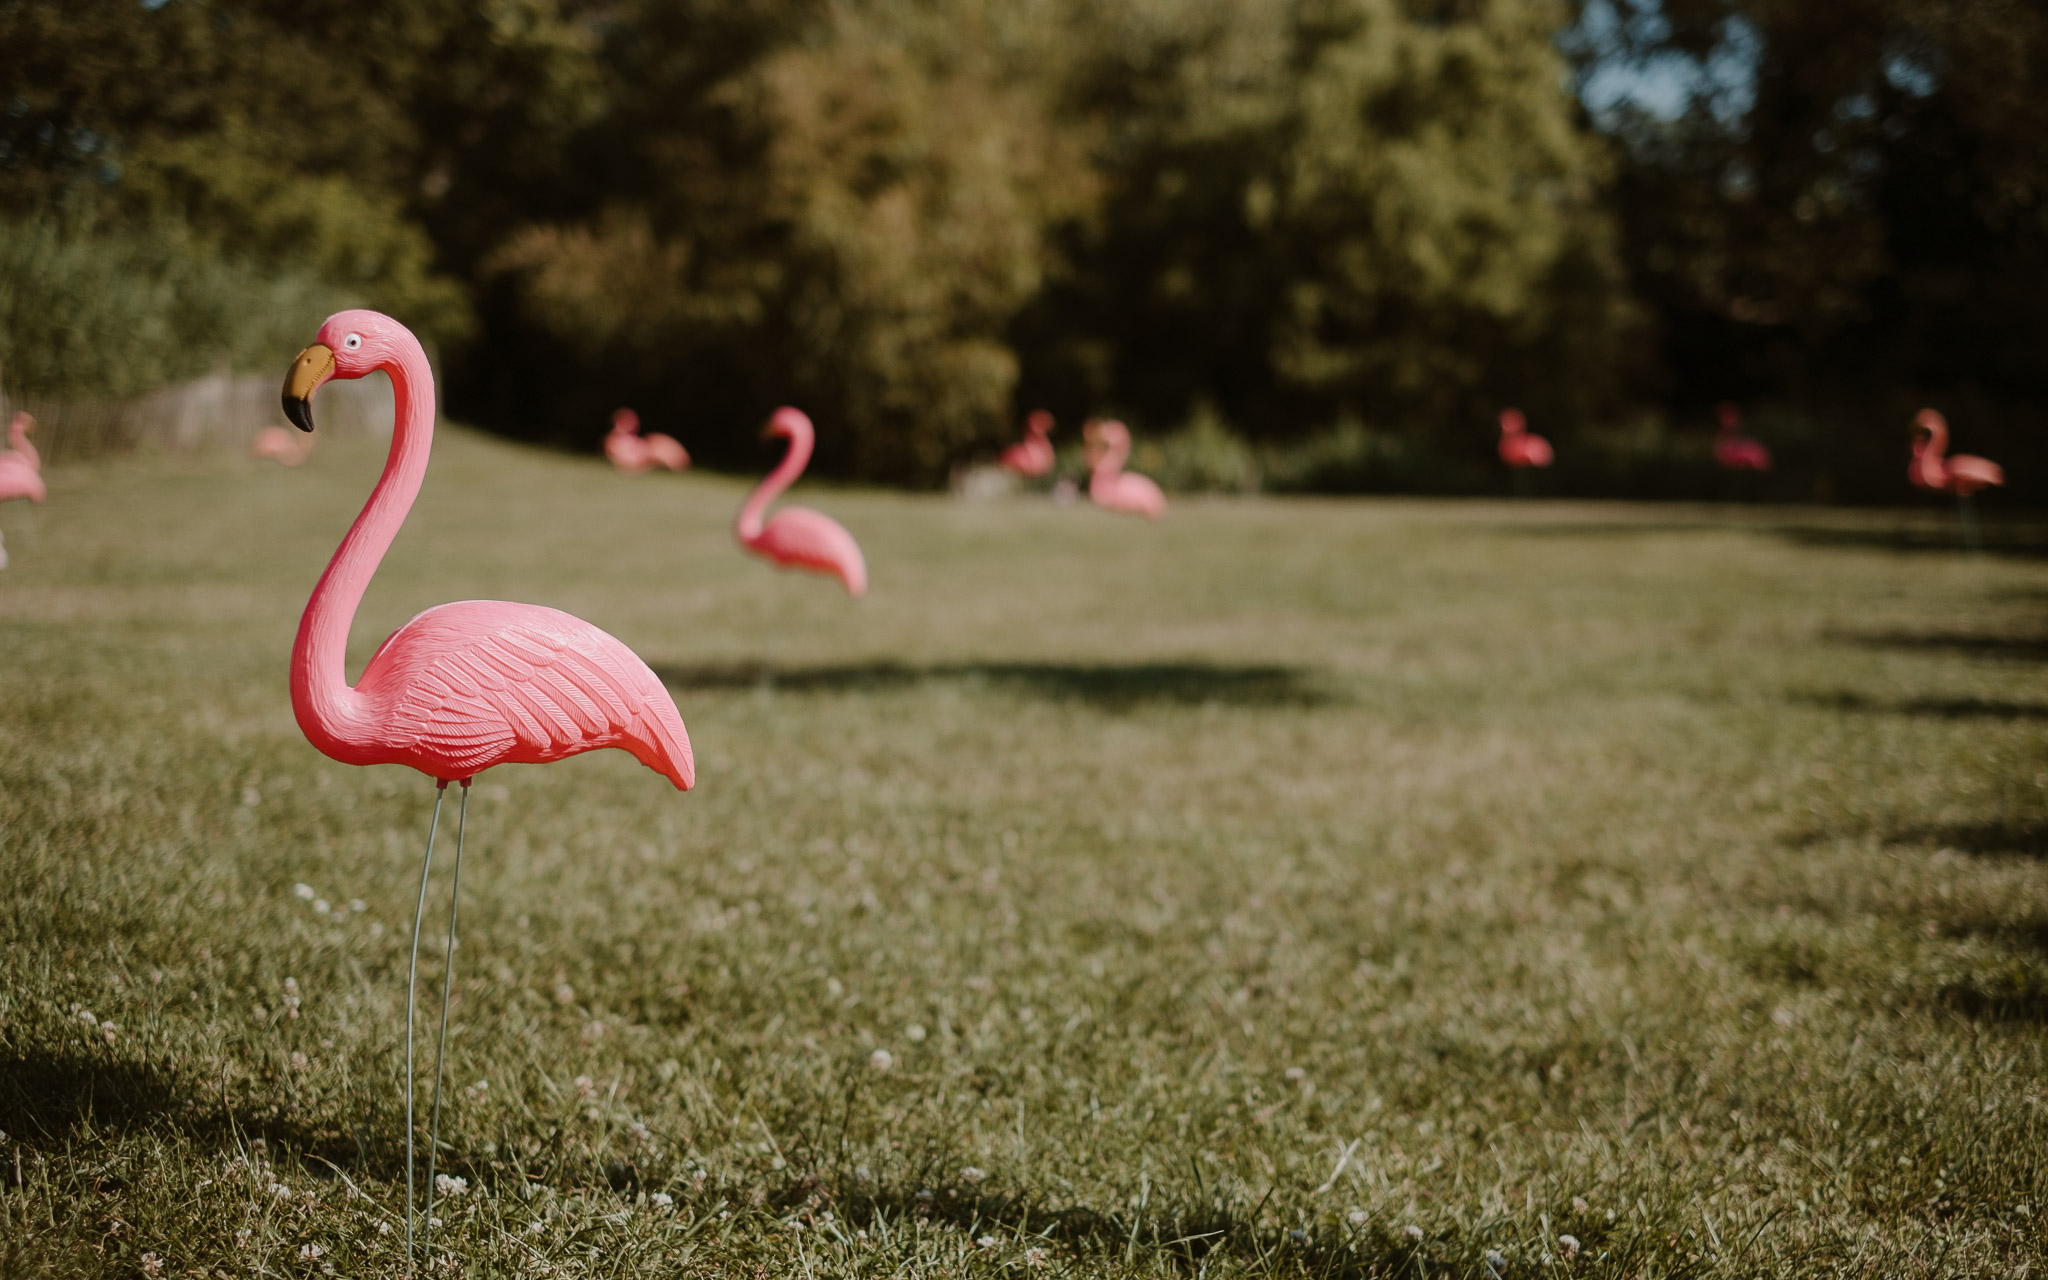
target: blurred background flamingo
1961 475
281 445
1734 451
633 453
1111 487
1031 456
1519 446
21 467
798 537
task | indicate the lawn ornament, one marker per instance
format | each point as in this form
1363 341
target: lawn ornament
1519 446
633 453
280 445
1734 451
462 687
1110 486
1032 456
21 467
798 537
1961 475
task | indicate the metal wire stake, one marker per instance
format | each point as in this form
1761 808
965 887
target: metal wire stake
447 985
411 980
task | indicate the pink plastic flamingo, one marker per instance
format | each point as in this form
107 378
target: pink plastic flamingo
462 687
21 467
634 453
1109 485
1031 456
1734 451
1519 446
798 537
1961 475
278 444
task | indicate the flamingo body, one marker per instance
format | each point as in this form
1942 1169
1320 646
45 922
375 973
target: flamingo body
1734 451
278 444
1519 446
798 537
633 453
1961 475
1033 455
1109 485
21 467
466 686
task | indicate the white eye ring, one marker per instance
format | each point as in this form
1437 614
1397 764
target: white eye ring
352 341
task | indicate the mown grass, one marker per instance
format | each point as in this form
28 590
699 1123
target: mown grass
1293 888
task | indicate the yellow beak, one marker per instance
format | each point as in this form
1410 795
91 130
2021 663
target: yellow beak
314 366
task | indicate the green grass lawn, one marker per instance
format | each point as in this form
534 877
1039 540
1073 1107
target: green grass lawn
1294 887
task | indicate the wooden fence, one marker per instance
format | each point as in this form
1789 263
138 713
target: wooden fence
220 411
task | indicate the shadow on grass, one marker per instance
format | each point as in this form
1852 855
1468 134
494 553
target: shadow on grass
2022 541
1102 684
1981 644
2025 837
1939 708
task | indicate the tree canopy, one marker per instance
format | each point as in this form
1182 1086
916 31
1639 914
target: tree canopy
1283 220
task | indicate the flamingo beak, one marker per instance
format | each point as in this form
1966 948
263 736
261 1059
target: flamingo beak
314 366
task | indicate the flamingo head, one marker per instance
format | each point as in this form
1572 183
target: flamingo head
1929 428
627 421
1512 423
789 424
350 345
1103 436
1038 422
1730 416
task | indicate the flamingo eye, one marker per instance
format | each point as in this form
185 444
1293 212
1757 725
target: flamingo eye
353 342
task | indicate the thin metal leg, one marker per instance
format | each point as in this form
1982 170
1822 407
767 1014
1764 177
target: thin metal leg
447 985
411 980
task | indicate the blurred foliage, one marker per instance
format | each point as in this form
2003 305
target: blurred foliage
117 311
1314 242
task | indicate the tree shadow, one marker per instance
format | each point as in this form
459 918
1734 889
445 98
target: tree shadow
2020 541
1981 644
1939 708
2015 837
1116 685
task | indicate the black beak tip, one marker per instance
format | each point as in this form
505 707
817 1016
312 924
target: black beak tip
299 412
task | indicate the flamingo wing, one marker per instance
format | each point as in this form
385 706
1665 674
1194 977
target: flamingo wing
483 683
805 539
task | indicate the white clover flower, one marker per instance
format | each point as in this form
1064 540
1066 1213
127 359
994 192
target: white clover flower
1358 1217
298 1061
987 1242
357 904
915 1033
280 1190
449 1186
1034 1257
1570 1246
322 905
972 1174
304 891
565 994
1413 1233
661 1200
85 1016
310 1251
1579 1204
881 1060
152 1265
585 1087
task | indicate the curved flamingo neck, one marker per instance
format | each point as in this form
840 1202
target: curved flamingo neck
1114 454
17 437
328 709
754 513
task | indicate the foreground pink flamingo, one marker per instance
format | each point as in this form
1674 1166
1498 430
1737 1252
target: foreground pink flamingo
798 537
462 687
1519 446
277 444
21 467
1110 486
1031 456
634 453
1734 451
